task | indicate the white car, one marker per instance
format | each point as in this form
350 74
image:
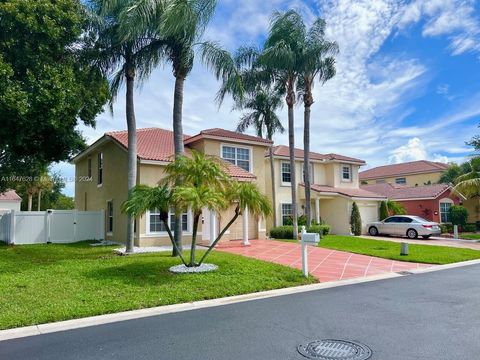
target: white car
404 225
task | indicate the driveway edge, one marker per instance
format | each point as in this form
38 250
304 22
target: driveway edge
34 330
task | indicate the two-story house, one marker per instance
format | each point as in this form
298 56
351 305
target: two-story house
413 173
335 186
101 181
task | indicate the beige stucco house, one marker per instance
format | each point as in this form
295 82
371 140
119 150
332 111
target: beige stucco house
335 186
101 181
413 173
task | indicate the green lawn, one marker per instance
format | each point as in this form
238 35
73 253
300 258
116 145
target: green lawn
470 236
391 250
45 283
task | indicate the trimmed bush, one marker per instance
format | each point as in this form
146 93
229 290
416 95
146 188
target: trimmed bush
282 232
356 220
469 228
319 229
446 228
383 210
458 215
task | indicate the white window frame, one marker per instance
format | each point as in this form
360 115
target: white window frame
235 146
401 182
108 217
444 201
342 166
281 211
284 183
163 233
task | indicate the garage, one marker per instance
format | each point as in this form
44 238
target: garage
368 213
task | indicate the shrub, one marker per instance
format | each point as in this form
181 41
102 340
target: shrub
446 228
302 220
282 232
469 228
355 220
458 215
319 229
383 210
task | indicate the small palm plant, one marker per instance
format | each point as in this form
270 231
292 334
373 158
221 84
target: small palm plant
205 184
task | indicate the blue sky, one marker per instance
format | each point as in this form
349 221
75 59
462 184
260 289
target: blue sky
407 84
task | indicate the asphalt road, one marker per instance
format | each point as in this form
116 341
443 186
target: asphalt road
429 316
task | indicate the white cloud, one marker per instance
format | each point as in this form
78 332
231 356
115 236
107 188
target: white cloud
414 150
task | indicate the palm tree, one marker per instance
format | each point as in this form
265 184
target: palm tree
181 25
205 184
281 54
468 184
315 62
124 58
263 101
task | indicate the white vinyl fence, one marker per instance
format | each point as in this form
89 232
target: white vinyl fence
55 226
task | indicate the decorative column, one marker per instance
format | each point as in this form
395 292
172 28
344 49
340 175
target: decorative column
245 241
213 226
317 210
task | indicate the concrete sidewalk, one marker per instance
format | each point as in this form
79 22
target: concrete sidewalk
434 241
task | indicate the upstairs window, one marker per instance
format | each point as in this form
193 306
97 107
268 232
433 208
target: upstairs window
286 176
346 172
100 169
238 156
401 181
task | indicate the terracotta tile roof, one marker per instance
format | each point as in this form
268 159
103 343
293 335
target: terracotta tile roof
227 134
282 150
10 195
157 144
356 193
395 192
413 167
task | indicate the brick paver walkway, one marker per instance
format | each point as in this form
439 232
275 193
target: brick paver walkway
324 264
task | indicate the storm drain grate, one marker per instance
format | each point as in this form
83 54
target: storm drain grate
335 350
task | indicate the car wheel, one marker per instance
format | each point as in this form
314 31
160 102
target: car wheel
426 237
412 233
373 231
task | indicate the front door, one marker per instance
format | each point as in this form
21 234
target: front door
206 225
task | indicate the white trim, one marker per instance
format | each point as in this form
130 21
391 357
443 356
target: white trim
233 145
227 139
444 201
350 179
154 162
283 183
336 161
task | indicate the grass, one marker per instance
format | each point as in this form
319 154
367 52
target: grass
470 236
45 283
391 250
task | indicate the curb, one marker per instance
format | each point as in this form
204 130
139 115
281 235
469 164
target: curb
34 330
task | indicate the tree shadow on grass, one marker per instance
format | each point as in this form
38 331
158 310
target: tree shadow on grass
153 272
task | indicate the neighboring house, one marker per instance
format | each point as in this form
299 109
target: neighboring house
9 200
335 186
414 173
431 202
101 181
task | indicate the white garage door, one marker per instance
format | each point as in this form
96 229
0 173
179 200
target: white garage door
369 213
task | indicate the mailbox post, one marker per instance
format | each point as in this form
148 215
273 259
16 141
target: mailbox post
307 239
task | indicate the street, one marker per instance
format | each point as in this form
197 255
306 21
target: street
427 316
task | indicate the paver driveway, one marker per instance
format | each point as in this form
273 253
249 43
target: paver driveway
324 264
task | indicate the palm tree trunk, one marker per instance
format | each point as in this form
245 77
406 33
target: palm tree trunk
308 100
30 198
196 219
274 190
132 153
179 150
293 182
39 199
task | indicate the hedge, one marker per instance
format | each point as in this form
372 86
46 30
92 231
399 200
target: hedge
286 231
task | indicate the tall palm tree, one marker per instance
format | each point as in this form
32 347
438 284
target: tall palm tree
262 102
281 54
181 25
316 62
124 58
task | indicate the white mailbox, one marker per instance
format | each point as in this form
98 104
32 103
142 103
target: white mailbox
311 238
